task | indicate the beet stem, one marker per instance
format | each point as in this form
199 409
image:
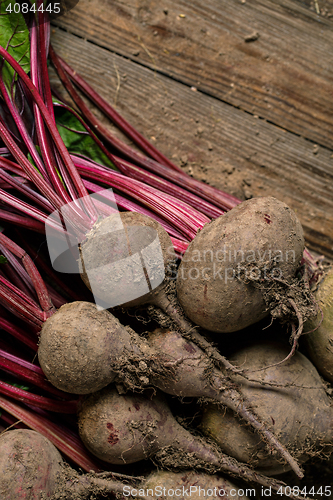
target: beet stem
112 114
43 139
37 179
38 283
135 172
21 127
18 333
37 400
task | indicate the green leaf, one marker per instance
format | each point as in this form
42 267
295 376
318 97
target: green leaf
19 386
14 37
78 143
3 259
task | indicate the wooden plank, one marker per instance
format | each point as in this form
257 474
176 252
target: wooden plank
285 75
216 142
322 7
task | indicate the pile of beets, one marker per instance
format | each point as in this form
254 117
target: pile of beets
146 318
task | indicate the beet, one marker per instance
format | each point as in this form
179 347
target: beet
28 462
127 428
33 469
292 397
319 340
260 242
125 258
78 345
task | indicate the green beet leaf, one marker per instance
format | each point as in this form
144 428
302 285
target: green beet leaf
14 37
76 140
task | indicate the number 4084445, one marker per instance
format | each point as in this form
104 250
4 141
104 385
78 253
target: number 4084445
25 8
323 491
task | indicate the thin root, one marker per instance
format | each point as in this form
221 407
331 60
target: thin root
294 337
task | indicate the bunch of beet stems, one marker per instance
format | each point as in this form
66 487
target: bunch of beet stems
32 303
70 187
38 408
180 219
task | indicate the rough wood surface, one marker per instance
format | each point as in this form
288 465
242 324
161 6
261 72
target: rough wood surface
225 146
270 58
260 120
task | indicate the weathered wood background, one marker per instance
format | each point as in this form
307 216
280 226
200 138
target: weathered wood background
238 92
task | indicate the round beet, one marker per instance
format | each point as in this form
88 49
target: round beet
66 340
124 259
32 469
80 347
259 241
29 465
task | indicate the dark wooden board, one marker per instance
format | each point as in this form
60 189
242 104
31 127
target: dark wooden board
217 142
284 76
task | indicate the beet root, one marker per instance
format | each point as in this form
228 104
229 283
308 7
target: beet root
73 354
319 340
124 259
128 428
33 469
293 399
28 463
260 241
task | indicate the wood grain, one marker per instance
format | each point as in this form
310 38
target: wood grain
219 143
284 76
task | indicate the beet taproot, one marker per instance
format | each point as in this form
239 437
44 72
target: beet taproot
293 398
